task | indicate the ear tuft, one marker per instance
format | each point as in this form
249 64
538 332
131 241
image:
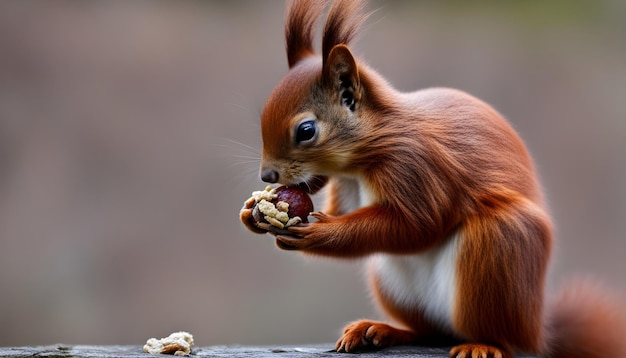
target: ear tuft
300 20
343 21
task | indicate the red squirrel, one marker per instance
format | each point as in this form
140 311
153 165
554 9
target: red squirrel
437 190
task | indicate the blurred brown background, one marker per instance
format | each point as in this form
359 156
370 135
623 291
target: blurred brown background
121 172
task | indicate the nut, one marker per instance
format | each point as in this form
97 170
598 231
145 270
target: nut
300 204
281 207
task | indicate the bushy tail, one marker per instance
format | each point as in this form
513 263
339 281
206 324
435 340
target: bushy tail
585 320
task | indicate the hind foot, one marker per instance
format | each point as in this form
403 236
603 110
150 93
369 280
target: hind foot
364 335
478 351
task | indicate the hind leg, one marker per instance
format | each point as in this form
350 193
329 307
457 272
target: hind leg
365 334
502 261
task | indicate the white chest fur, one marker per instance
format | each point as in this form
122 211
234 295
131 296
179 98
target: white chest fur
426 280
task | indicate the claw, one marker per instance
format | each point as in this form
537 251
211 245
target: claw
320 216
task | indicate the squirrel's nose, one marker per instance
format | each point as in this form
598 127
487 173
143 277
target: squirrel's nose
269 176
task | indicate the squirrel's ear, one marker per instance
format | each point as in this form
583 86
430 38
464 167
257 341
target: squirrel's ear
340 73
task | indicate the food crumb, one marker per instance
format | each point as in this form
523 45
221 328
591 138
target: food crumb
269 209
178 344
268 194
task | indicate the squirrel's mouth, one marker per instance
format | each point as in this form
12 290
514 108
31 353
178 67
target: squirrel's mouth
314 184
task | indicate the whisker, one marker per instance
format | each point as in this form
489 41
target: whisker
251 158
245 158
244 163
236 149
244 145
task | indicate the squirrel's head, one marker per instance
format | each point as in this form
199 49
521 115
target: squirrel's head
312 117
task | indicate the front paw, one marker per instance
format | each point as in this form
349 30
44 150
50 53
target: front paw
288 243
296 238
321 217
308 236
247 218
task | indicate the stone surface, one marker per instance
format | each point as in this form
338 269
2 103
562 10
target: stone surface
319 350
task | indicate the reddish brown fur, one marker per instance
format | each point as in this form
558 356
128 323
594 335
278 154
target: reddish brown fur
504 255
585 322
432 163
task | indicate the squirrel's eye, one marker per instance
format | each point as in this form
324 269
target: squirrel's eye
306 131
